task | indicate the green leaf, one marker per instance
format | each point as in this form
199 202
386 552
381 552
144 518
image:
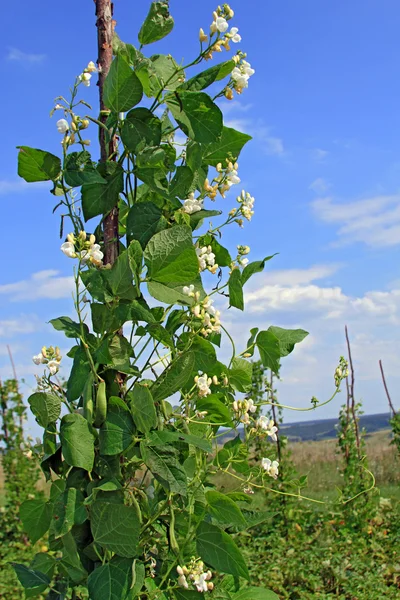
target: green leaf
205 78
254 267
116 433
235 287
174 377
144 220
182 183
251 340
68 510
37 165
142 408
79 170
172 292
157 438
218 549
241 374
122 87
166 74
255 593
100 198
224 509
157 24
230 145
181 594
222 256
163 464
197 115
115 527
30 579
36 518
45 407
112 581
44 563
204 353
288 338
141 127
119 278
71 562
79 374
269 349
217 412
69 327
197 218
77 441
120 352
171 258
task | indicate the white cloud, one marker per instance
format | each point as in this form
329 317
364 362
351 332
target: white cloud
13 186
24 324
319 154
271 144
43 284
319 185
16 55
374 221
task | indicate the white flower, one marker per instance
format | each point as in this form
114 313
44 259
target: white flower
85 78
38 358
62 126
69 249
232 175
91 68
251 407
246 68
221 24
268 426
203 384
192 205
200 582
247 204
248 490
28 454
271 467
182 582
234 36
241 75
96 254
188 290
206 259
53 366
243 261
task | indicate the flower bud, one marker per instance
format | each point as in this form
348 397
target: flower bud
210 585
228 93
86 142
202 36
71 238
215 380
73 126
91 68
84 124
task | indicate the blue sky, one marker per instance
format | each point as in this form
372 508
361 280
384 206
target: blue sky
324 167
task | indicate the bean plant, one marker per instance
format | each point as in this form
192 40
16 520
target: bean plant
132 441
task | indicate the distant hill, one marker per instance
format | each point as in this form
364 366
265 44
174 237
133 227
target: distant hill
324 429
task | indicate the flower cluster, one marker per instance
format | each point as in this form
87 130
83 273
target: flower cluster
246 205
83 248
242 409
205 311
207 259
50 357
271 467
192 205
268 426
196 574
342 371
242 251
241 75
86 76
203 383
219 26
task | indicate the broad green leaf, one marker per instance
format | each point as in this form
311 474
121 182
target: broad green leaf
37 165
174 377
250 342
162 462
288 338
204 353
166 74
181 594
100 198
269 349
79 169
68 510
115 527
222 256
159 333
45 407
217 412
235 287
230 145
182 183
144 220
79 374
122 87
163 437
116 433
171 293
34 581
77 441
224 509
197 115
255 593
197 218
205 78
142 408
119 278
241 374
70 328
120 352
254 267
170 256
44 563
71 563
141 127
36 518
112 581
218 549
157 24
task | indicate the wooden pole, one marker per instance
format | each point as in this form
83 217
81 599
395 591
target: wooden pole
386 389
